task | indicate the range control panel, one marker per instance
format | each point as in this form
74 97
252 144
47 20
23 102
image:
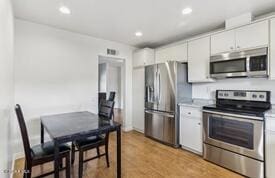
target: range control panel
262 96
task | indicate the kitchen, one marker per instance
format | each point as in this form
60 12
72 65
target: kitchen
230 68
99 89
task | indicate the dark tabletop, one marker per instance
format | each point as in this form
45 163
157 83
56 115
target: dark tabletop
76 124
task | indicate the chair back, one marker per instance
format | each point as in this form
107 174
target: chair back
112 96
24 132
106 109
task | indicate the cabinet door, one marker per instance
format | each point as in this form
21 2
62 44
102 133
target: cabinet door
174 53
198 60
270 154
178 53
252 36
161 55
223 42
191 128
272 49
138 59
138 99
143 57
149 56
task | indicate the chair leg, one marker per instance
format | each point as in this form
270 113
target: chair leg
107 154
68 166
28 169
97 151
61 163
73 153
80 164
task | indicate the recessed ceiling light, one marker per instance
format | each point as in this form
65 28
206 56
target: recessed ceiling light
139 34
64 10
187 10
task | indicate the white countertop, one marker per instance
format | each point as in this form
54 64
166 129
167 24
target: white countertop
197 103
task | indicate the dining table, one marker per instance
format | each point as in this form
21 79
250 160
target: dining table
68 127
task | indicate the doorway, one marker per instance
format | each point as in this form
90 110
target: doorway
111 78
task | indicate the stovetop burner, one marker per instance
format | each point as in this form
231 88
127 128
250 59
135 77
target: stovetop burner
253 103
259 112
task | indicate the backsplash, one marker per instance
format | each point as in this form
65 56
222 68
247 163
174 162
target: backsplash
207 90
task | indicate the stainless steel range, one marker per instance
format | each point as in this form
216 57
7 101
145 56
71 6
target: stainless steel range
233 131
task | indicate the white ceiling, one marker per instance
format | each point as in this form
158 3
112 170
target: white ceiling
160 21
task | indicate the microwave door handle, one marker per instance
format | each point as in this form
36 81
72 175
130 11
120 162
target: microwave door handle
248 64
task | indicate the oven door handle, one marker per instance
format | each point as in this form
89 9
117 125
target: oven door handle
234 115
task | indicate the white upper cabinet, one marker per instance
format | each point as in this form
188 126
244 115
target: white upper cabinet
223 42
252 36
249 36
272 49
143 57
198 60
174 53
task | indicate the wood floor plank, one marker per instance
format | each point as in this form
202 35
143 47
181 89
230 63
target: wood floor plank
143 158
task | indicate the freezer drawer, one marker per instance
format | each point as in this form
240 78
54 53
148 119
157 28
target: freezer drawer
160 126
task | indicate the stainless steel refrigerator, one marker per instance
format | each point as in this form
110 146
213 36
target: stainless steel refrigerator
166 85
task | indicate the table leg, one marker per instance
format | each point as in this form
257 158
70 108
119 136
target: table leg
42 133
56 159
118 152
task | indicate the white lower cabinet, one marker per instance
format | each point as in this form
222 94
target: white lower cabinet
270 147
191 129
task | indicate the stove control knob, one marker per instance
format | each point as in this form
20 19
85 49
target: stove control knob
254 96
261 96
226 94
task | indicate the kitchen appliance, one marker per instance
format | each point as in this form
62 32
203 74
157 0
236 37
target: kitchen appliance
233 131
165 86
249 63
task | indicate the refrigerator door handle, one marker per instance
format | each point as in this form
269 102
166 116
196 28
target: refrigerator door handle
160 113
156 86
159 93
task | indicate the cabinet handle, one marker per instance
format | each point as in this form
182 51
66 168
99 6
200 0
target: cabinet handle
199 123
231 48
189 113
238 47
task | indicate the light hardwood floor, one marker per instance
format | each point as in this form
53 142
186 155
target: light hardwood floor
143 157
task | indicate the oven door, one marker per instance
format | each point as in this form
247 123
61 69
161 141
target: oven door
235 133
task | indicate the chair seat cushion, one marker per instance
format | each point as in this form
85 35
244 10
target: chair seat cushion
47 150
89 141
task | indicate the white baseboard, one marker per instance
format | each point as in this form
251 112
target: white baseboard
138 130
127 128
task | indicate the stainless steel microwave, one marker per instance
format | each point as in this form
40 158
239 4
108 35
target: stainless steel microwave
250 63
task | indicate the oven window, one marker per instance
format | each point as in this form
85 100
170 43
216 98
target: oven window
231 66
231 131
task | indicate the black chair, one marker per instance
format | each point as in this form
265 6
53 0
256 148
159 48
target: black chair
39 154
83 145
112 96
101 96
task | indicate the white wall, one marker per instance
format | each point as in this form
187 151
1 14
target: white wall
114 83
6 82
57 71
207 90
102 72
